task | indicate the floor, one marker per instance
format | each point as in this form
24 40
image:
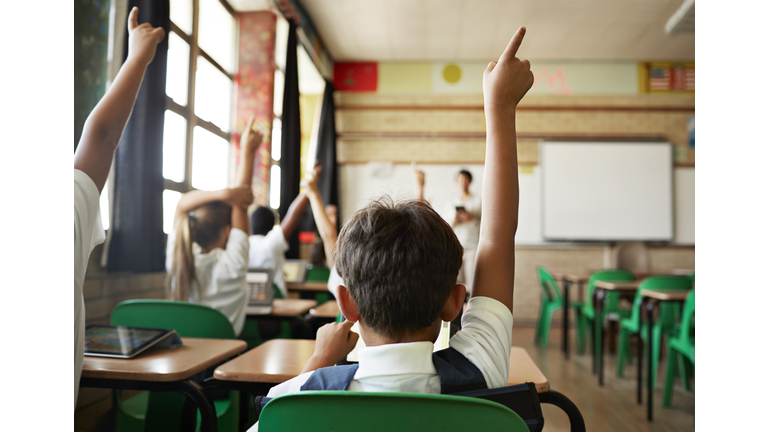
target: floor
612 407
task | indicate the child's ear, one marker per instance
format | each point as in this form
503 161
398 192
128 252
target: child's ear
347 304
454 303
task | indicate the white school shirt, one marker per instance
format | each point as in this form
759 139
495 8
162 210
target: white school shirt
88 234
334 280
468 233
221 273
485 339
268 251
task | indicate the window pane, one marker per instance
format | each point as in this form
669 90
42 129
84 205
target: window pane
177 77
216 33
181 14
279 88
209 160
213 94
310 80
274 187
170 198
276 140
104 206
281 41
174 146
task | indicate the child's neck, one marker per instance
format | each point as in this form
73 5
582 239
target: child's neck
372 338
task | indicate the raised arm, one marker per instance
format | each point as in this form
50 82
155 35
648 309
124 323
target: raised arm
295 213
324 224
418 178
105 124
249 143
504 84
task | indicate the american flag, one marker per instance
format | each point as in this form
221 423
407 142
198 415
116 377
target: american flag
690 79
661 79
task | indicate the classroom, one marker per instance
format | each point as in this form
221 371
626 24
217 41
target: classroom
264 131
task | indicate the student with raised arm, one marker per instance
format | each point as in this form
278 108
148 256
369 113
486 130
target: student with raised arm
399 262
93 158
325 226
207 253
269 242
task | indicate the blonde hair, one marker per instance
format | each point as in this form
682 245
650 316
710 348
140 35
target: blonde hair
202 226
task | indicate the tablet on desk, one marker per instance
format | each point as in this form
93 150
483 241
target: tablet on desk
126 342
295 271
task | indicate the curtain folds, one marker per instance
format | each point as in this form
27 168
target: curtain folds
326 150
137 240
290 161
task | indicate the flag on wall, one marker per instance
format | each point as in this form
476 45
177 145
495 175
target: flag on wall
667 77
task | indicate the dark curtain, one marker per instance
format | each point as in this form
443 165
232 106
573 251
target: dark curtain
326 156
290 162
137 240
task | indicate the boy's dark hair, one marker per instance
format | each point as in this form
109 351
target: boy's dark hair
466 173
262 221
399 261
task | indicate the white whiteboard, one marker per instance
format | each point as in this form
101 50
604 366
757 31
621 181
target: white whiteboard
606 191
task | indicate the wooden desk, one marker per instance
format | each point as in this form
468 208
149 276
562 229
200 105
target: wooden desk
329 309
651 300
599 295
522 369
164 370
308 286
286 308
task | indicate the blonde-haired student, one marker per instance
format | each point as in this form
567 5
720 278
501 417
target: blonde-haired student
207 252
93 158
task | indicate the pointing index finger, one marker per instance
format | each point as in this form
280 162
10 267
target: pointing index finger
511 50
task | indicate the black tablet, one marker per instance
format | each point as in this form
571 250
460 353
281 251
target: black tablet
122 342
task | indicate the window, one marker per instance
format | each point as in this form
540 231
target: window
281 48
199 85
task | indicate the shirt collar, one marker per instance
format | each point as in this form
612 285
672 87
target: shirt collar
396 359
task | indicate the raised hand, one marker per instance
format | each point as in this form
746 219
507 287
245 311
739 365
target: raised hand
418 175
142 39
505 82
250 139
240 196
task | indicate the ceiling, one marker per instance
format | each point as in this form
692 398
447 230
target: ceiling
403 30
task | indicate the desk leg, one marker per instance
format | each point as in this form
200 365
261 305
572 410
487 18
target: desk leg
599 334
649 322
640 355
566 286
595 308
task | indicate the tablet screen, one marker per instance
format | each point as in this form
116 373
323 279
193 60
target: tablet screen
118 340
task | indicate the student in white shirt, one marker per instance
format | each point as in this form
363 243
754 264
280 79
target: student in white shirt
269 242
466 210
93 158
207 252
399 262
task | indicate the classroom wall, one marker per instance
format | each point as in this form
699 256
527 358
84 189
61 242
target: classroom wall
419 124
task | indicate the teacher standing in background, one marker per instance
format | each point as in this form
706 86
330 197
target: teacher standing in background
465 209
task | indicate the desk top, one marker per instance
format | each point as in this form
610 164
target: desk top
329 309
165 365
571 277
291 307
275 361
672 295
618 285
279 360
308 286
584 277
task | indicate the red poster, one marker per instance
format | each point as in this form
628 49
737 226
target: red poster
359 77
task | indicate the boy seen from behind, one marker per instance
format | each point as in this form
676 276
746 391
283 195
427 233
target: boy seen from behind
399 262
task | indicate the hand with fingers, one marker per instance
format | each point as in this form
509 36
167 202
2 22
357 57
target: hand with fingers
239 196
334 341
418 175
250 139
505 82
142 38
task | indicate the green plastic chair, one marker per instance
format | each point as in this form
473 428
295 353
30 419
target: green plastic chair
587 315
664 325
551 300
162 410
348 411
680 347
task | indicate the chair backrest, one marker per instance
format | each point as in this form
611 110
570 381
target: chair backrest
548 285
606 275
188 319
348 411
318 274
686 322
661 282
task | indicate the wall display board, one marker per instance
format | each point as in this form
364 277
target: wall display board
607 191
